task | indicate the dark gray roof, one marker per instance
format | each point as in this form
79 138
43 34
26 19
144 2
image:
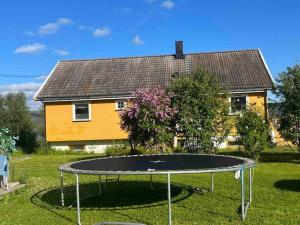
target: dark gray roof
119 77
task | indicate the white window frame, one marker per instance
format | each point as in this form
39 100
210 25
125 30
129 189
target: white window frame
237 95
116 104
74 114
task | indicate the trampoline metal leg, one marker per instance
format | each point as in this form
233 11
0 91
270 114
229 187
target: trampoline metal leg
243 194
62 188
212 186
250 184
244 207
99 185
169 199
77 199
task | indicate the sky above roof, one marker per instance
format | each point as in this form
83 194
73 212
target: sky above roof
36 34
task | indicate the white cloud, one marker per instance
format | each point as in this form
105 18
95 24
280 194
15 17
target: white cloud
51 28
137 40
102 32
42 77
25 87
61 52
29 33
167 4
82 27
29 90
30 48
64 21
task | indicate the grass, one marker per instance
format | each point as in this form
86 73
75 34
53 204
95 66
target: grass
276 195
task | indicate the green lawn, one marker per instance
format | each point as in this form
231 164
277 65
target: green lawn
276 198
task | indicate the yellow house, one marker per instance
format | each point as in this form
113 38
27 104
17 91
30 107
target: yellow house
82 98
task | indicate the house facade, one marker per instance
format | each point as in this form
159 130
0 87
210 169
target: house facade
82 98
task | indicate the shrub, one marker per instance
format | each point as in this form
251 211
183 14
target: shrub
253 132
7 142
44 148
202 117
148 119
143 151
117 150
179 150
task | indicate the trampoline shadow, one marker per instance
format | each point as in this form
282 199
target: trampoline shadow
115 196
289 185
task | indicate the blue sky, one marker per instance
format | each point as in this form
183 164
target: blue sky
36 34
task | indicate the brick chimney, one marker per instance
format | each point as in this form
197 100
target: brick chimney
179 50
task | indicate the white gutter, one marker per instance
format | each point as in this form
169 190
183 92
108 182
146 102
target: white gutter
266 66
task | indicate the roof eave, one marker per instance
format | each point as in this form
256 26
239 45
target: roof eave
82 98
35 97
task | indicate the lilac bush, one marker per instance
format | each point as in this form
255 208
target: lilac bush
148 119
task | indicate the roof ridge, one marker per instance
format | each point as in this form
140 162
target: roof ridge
225 51
162 55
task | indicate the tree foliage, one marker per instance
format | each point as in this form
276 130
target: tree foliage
148 119
288 91
7 142
252 131
202 116
14 115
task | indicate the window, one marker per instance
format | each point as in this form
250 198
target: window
120 104
237 104
81 112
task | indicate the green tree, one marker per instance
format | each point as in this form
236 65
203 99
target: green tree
202 116
287 90
252 131
15 116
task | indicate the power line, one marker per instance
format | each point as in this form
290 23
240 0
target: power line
19 76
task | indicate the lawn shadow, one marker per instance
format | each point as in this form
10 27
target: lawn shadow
115 197
278 157
289 185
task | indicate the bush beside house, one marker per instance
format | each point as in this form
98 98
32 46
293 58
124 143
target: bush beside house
252 132
202 118
148 119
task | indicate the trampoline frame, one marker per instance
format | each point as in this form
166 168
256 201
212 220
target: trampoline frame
248 164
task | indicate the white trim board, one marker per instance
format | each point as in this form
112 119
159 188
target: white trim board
266 65
81 120
45 81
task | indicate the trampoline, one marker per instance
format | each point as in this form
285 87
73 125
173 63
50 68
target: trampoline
167 164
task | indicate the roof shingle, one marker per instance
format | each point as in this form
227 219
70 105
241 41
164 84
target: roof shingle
116 77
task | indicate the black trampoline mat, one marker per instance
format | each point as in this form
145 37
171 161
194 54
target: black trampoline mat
174 162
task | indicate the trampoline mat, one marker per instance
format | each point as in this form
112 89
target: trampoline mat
175 162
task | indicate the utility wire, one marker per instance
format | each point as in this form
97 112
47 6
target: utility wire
19 76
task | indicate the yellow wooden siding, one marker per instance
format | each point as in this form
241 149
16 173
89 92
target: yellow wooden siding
256 100
104 123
